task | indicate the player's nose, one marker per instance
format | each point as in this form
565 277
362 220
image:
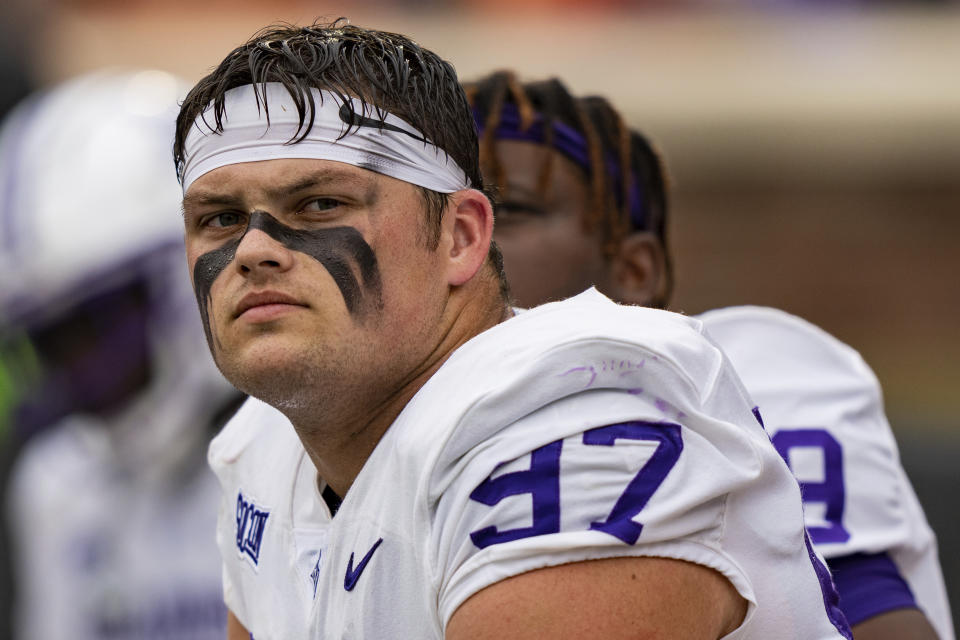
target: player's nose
259 253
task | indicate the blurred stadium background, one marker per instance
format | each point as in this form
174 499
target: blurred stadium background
814 150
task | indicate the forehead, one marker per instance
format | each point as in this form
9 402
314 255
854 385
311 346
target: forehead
279 178
523 164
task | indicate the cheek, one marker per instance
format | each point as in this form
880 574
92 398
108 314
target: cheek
552 263
194 255
523 261
412 280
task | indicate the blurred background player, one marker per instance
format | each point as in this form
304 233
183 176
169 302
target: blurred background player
564 226
108 389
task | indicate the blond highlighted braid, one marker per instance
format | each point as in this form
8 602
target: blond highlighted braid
607 136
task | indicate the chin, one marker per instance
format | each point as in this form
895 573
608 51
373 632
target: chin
273 387
286 376
260 365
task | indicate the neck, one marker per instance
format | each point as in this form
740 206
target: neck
341 432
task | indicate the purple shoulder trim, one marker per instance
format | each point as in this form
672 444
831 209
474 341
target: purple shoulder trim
869 584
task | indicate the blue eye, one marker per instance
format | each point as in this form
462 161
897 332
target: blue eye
321 204
227 219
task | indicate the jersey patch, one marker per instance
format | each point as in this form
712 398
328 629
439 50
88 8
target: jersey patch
251 522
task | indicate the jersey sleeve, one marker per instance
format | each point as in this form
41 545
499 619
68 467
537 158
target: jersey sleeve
222 453
625 478
823 408
248 457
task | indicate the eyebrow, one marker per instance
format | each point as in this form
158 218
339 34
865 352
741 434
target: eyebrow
309 181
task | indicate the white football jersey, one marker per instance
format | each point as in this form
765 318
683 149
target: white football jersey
104 553
822 406
575 431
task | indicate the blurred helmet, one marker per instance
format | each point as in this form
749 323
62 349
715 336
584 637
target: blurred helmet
98 317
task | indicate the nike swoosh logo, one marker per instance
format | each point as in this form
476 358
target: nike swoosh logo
354 119
352 575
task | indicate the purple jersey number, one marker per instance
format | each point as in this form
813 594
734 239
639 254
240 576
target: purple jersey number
620 522
829 491
542 482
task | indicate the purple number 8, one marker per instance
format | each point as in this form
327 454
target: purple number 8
830 491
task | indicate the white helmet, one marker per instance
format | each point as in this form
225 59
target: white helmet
92 270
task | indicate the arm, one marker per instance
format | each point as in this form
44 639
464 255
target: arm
877 600
861 511
630 493
893 625
236 630
636 598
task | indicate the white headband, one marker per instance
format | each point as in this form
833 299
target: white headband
398 150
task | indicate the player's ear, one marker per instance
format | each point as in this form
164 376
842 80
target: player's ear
468 225
638 269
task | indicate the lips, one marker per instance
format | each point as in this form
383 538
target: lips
263 299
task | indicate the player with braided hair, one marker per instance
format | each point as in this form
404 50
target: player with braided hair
584 202
535 137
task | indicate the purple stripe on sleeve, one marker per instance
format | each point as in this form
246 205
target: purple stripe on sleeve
869 584
831 597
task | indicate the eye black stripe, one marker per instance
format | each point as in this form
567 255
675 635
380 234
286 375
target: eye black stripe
335 248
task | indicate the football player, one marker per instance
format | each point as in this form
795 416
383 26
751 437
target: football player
583 202
450 469
108 387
